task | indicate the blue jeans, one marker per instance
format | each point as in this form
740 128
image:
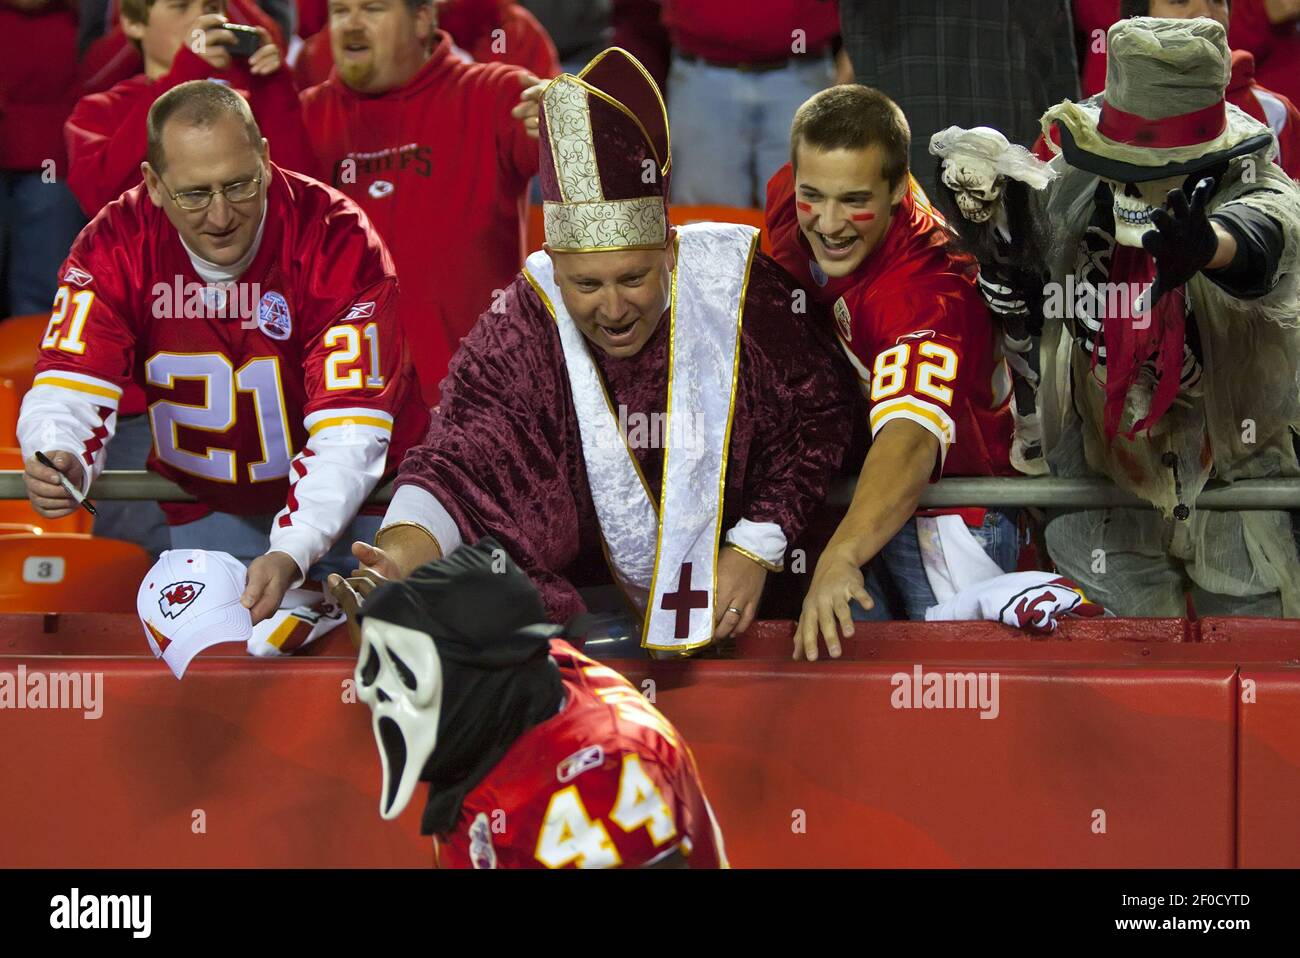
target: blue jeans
247 537
139 522
898 572
731 129
38 222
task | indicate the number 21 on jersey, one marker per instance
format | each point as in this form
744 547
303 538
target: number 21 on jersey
261 377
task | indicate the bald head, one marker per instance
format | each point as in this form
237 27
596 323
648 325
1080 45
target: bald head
198 104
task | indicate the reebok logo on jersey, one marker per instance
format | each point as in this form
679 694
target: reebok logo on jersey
919 334
177 597
78 277
591 757
360 311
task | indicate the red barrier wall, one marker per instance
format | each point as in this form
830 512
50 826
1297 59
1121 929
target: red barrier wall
1140 721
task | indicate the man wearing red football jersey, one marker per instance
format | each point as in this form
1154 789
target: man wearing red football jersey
426 144
180 40
848 222
256 308
535 755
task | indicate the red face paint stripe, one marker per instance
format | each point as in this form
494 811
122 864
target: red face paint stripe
862 217
803 207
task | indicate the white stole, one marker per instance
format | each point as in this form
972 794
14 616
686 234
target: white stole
666 560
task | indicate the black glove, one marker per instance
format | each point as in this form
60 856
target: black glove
1183 241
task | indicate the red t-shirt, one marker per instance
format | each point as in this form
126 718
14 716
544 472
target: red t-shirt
228 393
751 31
606 783
912 323
38 86
442 169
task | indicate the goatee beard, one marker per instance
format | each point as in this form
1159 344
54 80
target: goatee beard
357 75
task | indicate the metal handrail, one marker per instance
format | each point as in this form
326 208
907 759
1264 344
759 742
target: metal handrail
994 492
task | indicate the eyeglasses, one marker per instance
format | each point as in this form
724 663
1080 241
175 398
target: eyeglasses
194 200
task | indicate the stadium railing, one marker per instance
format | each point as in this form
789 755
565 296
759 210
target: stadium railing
1042 493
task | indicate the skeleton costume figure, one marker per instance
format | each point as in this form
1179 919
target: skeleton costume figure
1170 350
535 755
988 183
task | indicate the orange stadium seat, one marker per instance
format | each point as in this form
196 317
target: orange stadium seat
20 510
10 401
65 572
20 347
681 215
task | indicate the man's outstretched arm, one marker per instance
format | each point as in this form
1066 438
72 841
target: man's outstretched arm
898 467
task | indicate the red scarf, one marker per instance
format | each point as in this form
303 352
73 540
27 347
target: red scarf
1128 347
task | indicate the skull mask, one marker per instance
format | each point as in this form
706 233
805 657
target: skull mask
399 675
1134 204
975 184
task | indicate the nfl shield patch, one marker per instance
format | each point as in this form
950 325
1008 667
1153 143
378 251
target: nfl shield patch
273 316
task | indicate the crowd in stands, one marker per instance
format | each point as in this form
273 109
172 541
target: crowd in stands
424 114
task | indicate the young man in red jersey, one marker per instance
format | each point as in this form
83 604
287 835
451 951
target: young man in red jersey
256 307
535 755
426 144
848 222
180 40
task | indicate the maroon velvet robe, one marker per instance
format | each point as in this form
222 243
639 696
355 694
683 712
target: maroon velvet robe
504 455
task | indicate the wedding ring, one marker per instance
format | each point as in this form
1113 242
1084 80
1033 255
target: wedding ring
732 608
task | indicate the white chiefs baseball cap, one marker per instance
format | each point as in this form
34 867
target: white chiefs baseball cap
189 601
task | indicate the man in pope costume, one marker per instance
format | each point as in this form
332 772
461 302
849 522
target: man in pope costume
653 402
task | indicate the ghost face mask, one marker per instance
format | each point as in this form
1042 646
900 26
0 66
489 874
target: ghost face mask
1134 204
399 675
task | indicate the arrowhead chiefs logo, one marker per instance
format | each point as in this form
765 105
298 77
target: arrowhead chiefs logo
177 597
78 277
1036 609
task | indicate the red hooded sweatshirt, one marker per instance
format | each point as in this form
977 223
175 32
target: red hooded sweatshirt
441 168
